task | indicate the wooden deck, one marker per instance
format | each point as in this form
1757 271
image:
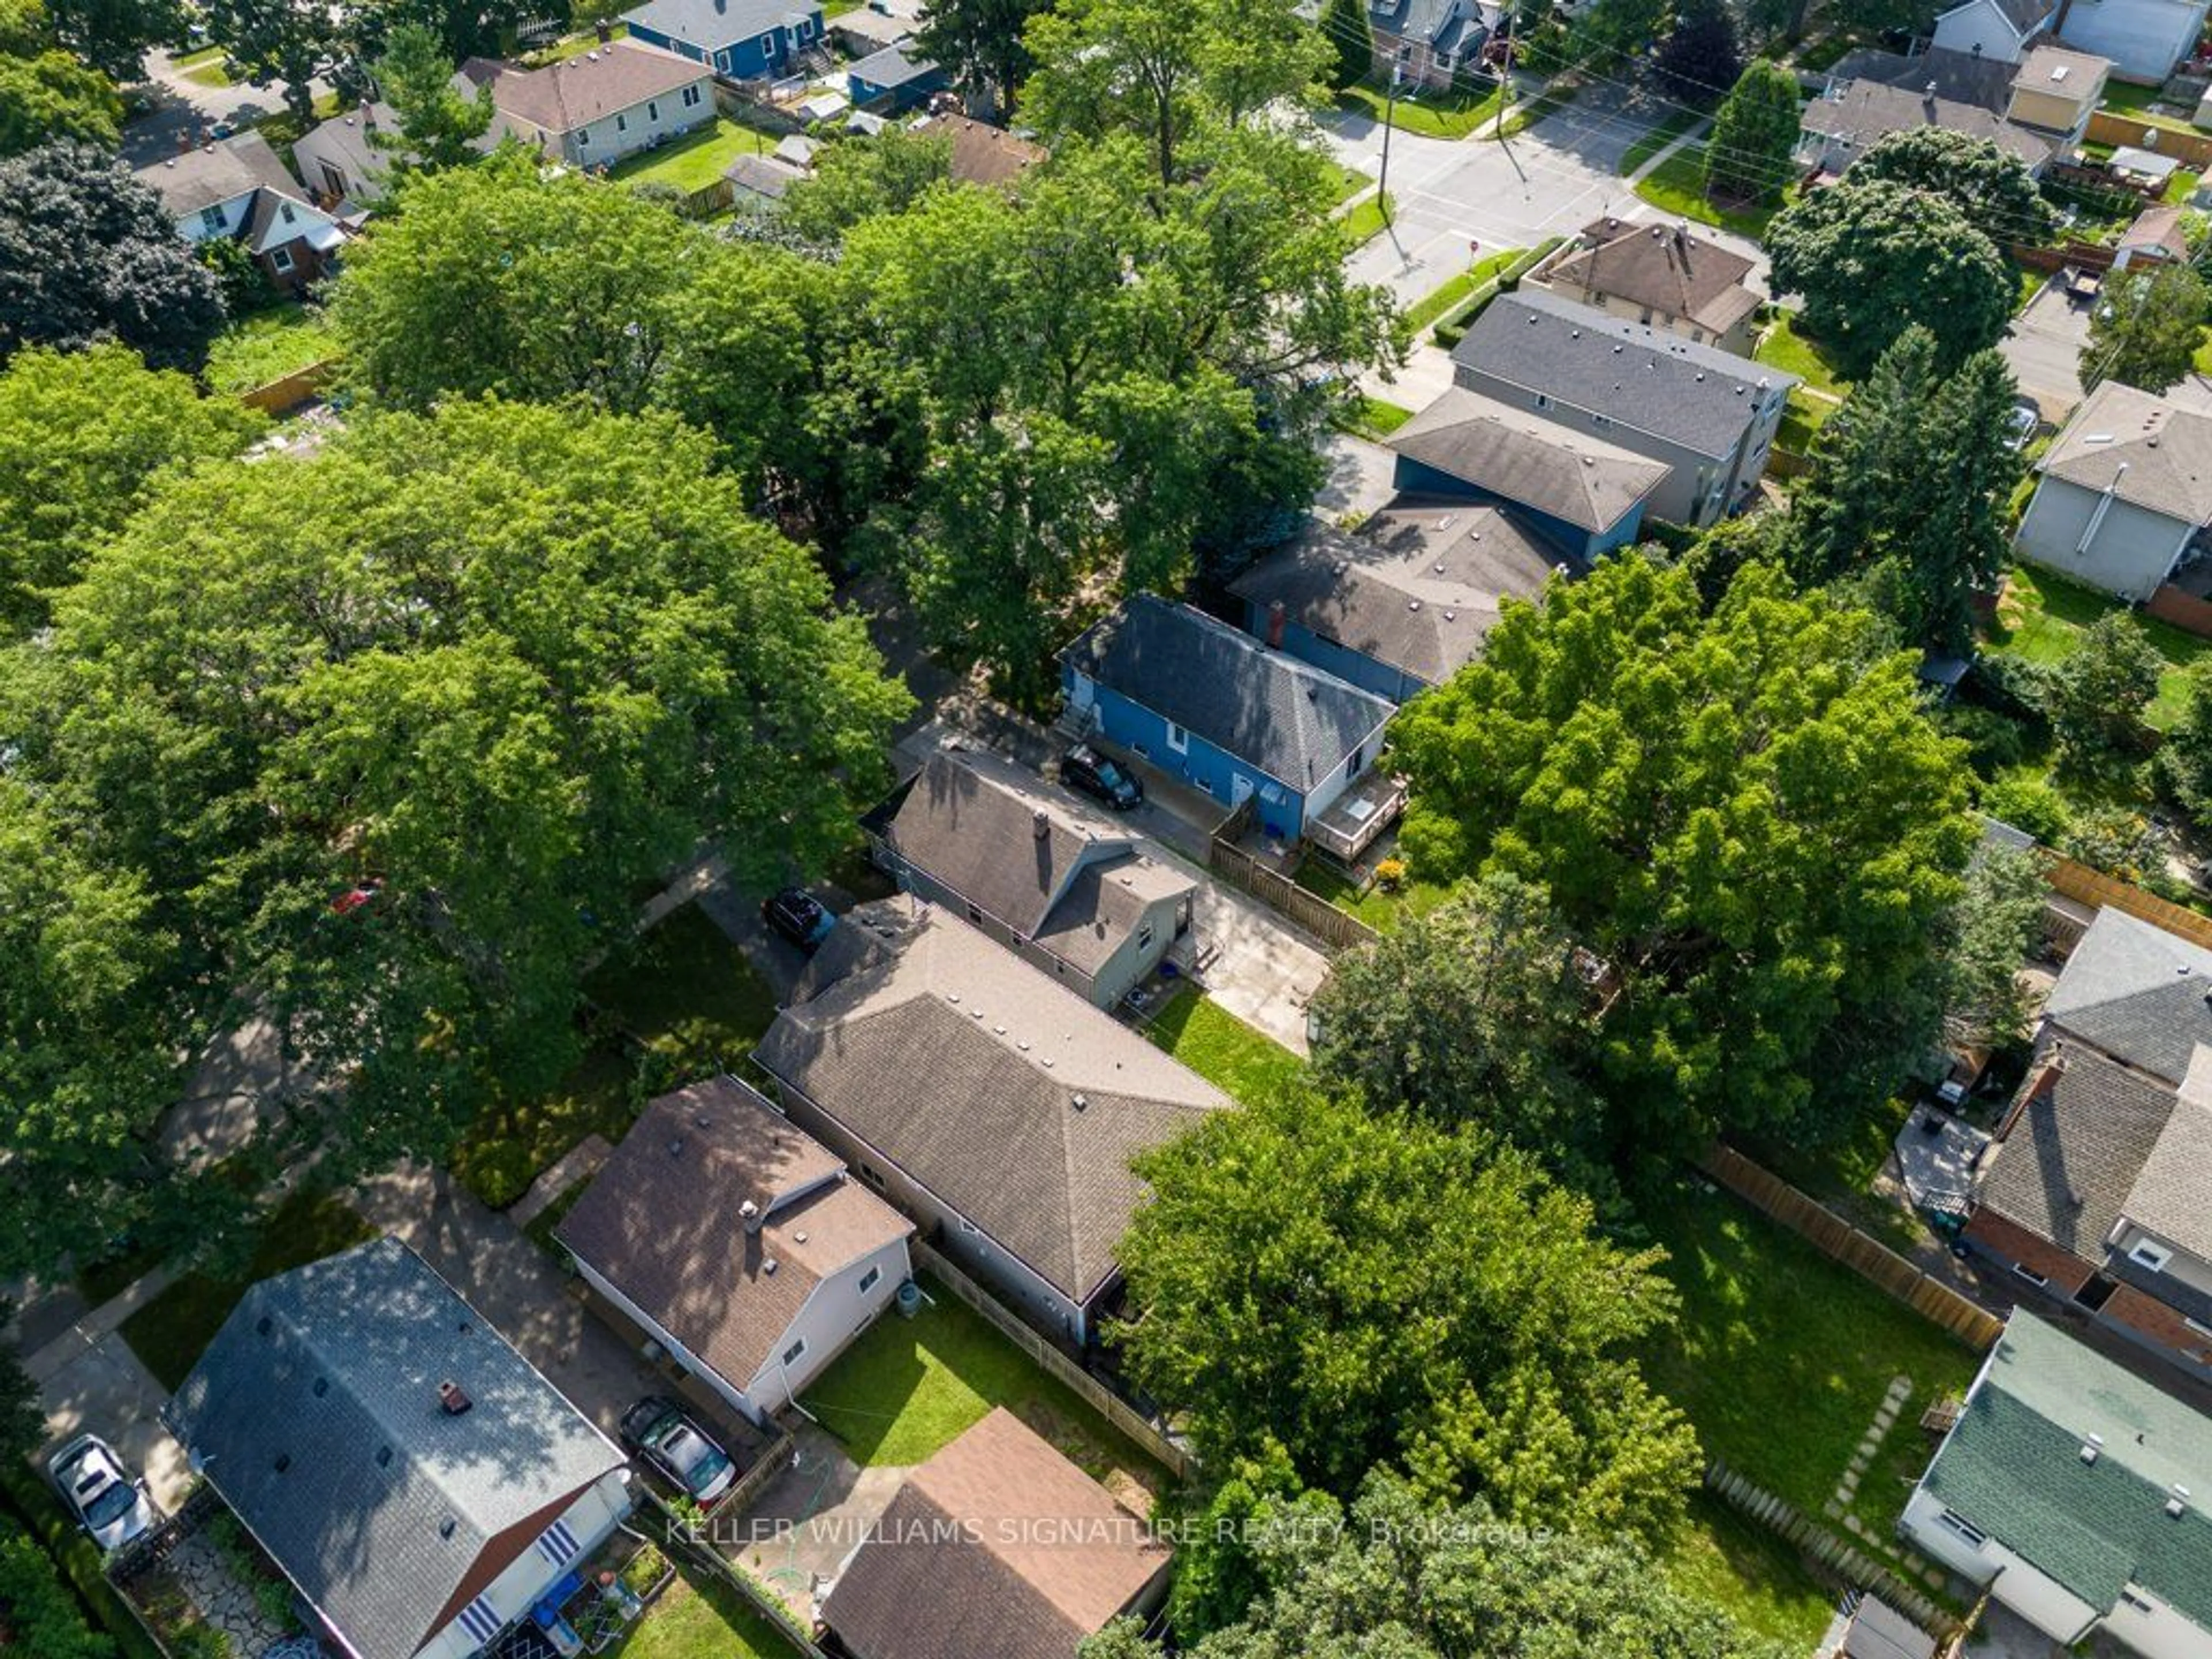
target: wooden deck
1359 815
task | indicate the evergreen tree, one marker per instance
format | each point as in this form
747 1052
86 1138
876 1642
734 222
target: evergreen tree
438 127
1344 24
1698 61
2146 329
1749 156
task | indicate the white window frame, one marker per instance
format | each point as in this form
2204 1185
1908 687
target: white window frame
2029 1274
1144 936
282 259
2148 1253
870 1280
1178 739
870 1174
691 96
652 109
213 219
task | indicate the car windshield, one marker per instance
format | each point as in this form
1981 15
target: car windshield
693 1456
111 1505
1109 775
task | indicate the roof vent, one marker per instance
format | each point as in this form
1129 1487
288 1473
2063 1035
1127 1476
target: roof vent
384 1457
798 1238
2091 1447
702 1122
1412 604
1451 616
454 1398
263 1325
768 1266
1081 1103
1040 824
446 1528
283 1462
952 996
322 1387
2176 1506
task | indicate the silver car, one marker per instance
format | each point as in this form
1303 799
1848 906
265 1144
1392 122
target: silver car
109 1501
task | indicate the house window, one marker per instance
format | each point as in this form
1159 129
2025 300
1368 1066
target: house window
792 1354
1178 739
583 137
974 916
284 212
1965 1528
1601 420
690 97
282 259
870 1174
2138 1600
870 1280
767 45
1543 400
652 109
481 1622
621 123
1144 937
333 180
2150 1255
211 219
970 1228
2029 1275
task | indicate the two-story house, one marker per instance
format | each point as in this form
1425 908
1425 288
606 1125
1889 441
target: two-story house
236 189
2003 30
1428 42
2057 90
1071 891
1708 416
1662 275
739 39
422 1487
2124 492
594 109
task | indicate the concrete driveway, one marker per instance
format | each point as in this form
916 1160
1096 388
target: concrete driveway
2044 350
798 1533
90 1382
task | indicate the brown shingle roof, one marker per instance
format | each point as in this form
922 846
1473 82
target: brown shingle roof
1012 1099
661 1222
2146 450
996 1545
982 154
578 91
1663 267
1525 459
2074 1152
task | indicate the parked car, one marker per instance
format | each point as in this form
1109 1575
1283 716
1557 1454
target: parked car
798 917
657 1430
1087 772
2021 423
109 1501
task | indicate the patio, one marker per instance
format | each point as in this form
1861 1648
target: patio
592 1608
1936 1155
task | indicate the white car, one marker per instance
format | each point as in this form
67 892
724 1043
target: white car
109 1501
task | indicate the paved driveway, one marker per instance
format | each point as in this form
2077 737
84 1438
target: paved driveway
184 109
89 1380
2044 348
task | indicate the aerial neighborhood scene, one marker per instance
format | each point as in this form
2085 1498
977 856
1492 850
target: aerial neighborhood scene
1106 829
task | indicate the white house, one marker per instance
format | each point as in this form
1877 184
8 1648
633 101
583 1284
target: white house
421 1485
238 189
2145 39
2074 1491
737 1241
2125 491
2001 29
594 109
342 161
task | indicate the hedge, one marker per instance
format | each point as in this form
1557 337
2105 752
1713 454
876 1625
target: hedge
1449 333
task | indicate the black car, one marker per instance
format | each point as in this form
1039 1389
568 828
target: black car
1087 772
798 917
657 1430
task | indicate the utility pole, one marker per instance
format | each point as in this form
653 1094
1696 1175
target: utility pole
1390 110
1505 82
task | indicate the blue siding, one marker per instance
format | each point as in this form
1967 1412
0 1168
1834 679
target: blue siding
1368 673
864 93
753 59
1411 476
1131 726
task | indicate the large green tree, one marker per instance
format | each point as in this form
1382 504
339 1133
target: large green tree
1394 1576
1750 155
438 127
1994 191
2184 759
1698 61
1745 815
1873 258
1351 38
81 438
497 667
980 43
1354 1288
859 178
38 1610
2146 328
2100 692
282 43
46 91
88 253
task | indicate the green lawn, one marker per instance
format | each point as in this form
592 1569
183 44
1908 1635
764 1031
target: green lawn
1677 185
267 346
203 67
170 1332
1750 1573
696 161
1433 114
2135 103
1350 181
910 1386
699 1618
1378 907
1782 1357
1802 417
1365 221
2043 616
1222 1048
1447 295
1657 139
1375 418
1787 347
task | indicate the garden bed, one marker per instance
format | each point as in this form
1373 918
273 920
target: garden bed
267 346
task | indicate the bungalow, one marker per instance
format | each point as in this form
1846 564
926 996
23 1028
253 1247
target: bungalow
995 1544
1710 417
237 188
595 109
738 1243
1406 603
1576 490
2072 1489
741 39
1661 274
982 154
1070 892
342 161
2144 39
2000 29
2125 492
1211 704
895 78
987 1100
422 1487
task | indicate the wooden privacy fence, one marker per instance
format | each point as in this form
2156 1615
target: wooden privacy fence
1837 1239
1178 1459
1826 1551
2183 608
2083 256
282 396
2080 883
679 1540
2192 148
1332 927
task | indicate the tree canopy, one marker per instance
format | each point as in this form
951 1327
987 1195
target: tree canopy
438 127
2146 328
1744 815
46 91
1996 191
1751 154
979 44
1698 61
1873 258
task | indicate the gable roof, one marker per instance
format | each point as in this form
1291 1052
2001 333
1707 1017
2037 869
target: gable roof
2173 1194
983 829
2140 993
217 173
1419 588
663 1223
982 154
1664 268
2013 1468
1696 396
2073 1150
2160 229
1859 114
766 176
711 25
1963 77
2023 17
996 1544
321 1370
1012 1099
2056 71
892 66
1293 721
593 86
1520 457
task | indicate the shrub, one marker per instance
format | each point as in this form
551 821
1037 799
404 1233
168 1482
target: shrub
2012 685
1390 874
2032 805
2116 840
498 1171
1995 742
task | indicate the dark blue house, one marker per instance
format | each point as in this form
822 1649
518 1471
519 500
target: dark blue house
743 40
1578 492
1214 706
896 78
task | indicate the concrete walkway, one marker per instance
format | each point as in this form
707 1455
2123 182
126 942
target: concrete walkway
90 1382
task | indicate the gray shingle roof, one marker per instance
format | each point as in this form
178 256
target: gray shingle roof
326 1367
1289 720
1522 458
219 172
1419 588
2013 1468
2073 1156
2173 1195
710 25
894 65
1959 76
1009 1097
1696 396
1864 113
2140 993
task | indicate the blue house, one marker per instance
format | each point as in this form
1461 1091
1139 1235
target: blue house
1406 603
896 78
743 40
1579 492
1214 706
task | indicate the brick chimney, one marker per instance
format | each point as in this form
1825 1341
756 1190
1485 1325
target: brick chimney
1276 616
454 1398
